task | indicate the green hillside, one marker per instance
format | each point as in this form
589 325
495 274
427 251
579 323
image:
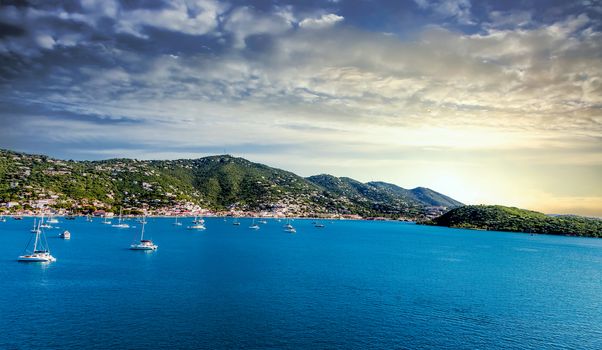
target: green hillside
216 182
500 218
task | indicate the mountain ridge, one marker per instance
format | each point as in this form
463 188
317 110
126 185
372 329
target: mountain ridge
219 182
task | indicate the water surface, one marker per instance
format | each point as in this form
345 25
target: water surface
352 284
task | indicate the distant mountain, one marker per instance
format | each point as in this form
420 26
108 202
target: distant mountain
500 218
422 195
381 196
215 182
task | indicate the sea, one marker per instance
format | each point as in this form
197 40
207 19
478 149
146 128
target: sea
349 285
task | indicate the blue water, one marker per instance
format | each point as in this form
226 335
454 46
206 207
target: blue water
352 284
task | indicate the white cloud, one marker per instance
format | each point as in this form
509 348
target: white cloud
323 21
245 21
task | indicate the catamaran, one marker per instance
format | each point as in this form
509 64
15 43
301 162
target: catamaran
40 251
121 224
196 227
144 244
52 220
198 220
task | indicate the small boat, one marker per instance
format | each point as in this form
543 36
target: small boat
35 228
289 228
121 224
236 222
105 221
40 251
254 226
318 225
144 244
52 220
70 217
199 227
89 218
142 220
176 223
262 222
65 235
2 219
198 220
18 217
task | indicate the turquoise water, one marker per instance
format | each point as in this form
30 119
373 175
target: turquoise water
350 285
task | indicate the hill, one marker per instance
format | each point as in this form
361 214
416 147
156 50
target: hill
216 182
500 218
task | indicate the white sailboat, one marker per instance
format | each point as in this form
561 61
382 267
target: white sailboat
144 244
35 228
177 223
2 218
106 221
121 224
289 228
52 220
40 251
254 226
198 220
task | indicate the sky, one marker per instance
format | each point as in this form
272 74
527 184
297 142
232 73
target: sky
489 102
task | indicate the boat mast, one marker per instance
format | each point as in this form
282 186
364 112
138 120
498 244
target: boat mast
142 233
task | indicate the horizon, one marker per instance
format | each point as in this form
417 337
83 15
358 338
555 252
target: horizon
486 103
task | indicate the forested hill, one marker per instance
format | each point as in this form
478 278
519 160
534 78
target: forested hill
215 182
500 218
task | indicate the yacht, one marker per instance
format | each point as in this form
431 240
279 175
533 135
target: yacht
2 219
198 220
70 217
65 235
52 220
144 244
263 221
199 227
121 224
105 221
254 226
40 251
236 222
319 225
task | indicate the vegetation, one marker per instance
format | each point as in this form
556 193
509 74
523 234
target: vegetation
500 218
216 182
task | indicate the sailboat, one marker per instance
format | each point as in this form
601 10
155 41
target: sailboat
52 220
35 228
198 220
176 223
254 226
263 221
235 222
318 224
105 221
2 218
288 227
40 251
144 244
121 224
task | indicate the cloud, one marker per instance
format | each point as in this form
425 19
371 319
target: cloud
323 21
194 75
